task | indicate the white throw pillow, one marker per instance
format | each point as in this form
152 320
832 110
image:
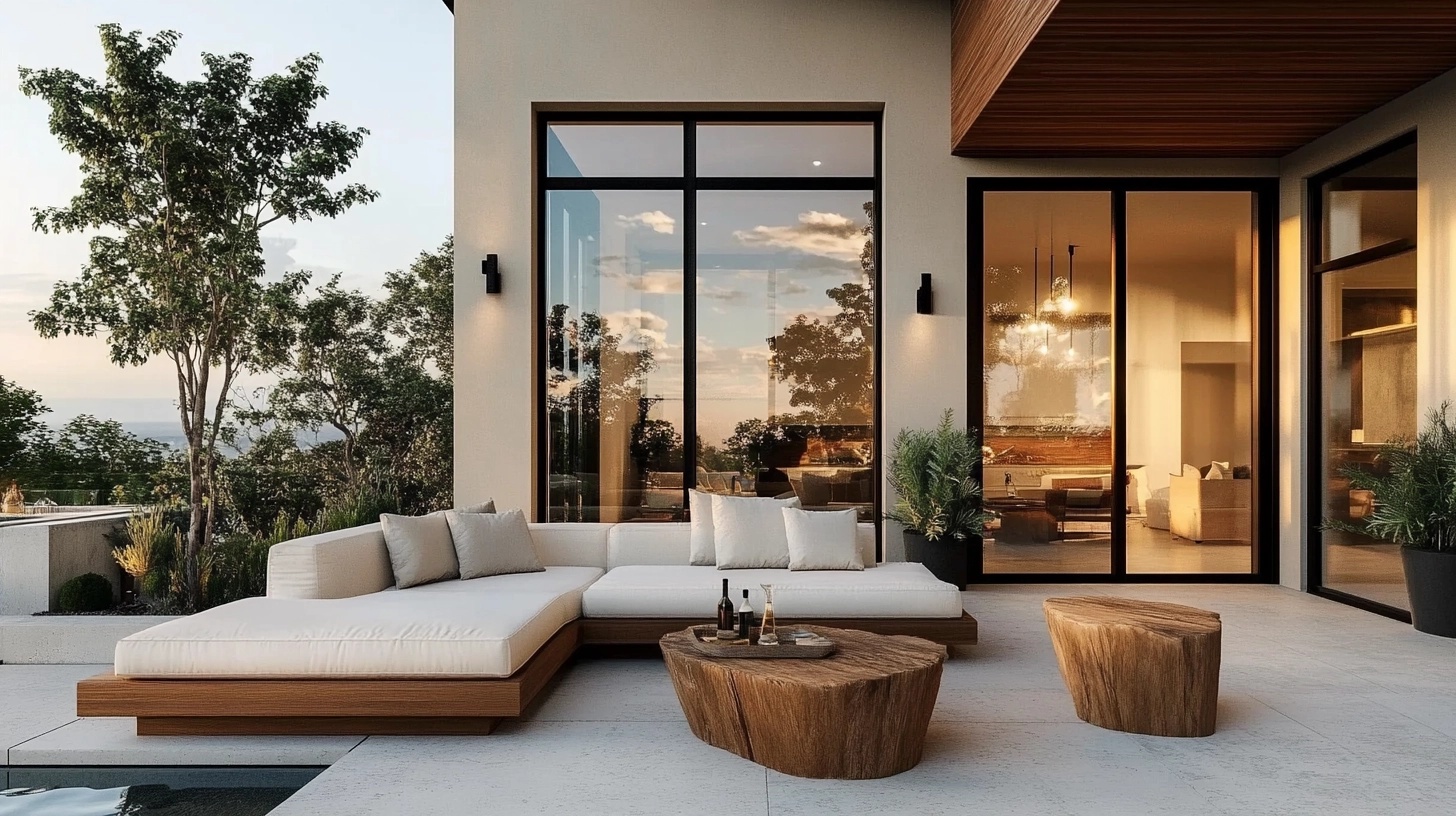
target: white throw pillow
1217 470
487 506
822 540
493 543
701 533
1189 470
749 533
420 549
700 529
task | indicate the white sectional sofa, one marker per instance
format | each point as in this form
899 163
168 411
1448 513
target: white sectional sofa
335 648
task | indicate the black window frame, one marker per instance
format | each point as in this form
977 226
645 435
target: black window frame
1314 415
1265 191
689 184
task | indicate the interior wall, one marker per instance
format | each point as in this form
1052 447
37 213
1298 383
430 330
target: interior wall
514 56
1431 111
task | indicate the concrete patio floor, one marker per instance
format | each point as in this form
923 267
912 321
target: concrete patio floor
1324 709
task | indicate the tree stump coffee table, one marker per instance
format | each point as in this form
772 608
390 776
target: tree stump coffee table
860 713
1139 666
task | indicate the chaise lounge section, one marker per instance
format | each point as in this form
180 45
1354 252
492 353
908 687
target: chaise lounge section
335 648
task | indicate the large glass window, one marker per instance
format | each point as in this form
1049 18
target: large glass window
722 290
1120 377
1366 284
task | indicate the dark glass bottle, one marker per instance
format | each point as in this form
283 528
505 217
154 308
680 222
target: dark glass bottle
745 618
727 618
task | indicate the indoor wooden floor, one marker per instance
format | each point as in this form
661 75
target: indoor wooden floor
1371 571
1149 551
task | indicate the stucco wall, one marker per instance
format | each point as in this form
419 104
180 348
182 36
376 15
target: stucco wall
1431 111
513 54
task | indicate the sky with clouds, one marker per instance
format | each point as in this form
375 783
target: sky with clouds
388 66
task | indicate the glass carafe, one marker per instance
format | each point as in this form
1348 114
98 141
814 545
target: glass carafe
768 632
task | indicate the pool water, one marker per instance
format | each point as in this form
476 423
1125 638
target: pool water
138 791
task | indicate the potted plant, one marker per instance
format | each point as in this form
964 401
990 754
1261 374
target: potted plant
1414 489
937 498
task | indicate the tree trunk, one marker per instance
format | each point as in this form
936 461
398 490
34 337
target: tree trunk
196 526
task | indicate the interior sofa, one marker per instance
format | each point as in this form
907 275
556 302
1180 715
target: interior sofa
1201 509
335 648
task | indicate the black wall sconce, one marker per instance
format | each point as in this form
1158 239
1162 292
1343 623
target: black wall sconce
925 296
490 267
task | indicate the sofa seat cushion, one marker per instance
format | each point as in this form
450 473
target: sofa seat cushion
891 590
392 634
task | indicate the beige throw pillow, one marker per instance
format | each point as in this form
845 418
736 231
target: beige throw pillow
822 540
1189 470
493 543
420 549
487 506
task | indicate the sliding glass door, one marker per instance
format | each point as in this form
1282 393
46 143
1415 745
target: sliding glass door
1123 389
1363 276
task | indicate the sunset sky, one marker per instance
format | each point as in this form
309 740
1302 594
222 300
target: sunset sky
387 64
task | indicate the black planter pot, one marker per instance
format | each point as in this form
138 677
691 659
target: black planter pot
953 560
1430 578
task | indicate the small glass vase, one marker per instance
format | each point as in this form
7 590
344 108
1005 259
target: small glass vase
768 632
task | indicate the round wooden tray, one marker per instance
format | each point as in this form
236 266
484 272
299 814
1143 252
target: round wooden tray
753 651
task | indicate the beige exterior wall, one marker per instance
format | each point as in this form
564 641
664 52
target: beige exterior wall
513 55
1431 111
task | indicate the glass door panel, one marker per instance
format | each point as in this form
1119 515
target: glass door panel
1191 261
1369 398
1047 381
614 339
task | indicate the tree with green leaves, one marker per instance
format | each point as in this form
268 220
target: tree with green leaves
178 180
829 362
419 308
330 371
20 412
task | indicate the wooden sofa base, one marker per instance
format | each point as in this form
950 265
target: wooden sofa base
316 726
405 707
960 631
422 706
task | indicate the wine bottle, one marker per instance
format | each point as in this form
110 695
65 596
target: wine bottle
745 618
727 618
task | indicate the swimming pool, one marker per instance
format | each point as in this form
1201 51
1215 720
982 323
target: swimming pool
139 791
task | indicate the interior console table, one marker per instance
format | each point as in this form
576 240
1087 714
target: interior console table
860 713
1023 521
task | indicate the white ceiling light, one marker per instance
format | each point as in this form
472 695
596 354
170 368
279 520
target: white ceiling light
817 163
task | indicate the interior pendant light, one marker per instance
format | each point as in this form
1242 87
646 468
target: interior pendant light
1066 304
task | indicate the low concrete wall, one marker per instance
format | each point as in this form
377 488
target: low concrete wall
37 557
79 639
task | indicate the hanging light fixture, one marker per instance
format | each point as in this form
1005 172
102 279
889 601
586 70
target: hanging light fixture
1066 304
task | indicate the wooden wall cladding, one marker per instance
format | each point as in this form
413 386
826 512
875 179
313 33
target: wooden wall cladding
1194 78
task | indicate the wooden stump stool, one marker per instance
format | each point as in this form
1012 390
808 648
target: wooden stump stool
1138 666
861 713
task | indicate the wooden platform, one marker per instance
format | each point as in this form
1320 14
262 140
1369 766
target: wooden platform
325 707
960 631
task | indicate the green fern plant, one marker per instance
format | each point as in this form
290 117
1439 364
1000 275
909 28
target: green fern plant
1414 488
933 475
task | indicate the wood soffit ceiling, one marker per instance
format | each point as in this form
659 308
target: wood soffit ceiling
1189 78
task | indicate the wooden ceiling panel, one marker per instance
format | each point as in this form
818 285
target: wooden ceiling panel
1185 77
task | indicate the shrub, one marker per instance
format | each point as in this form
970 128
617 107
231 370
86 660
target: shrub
933 476
1414 488
86 593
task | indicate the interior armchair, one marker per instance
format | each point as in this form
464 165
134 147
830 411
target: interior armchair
1210 509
